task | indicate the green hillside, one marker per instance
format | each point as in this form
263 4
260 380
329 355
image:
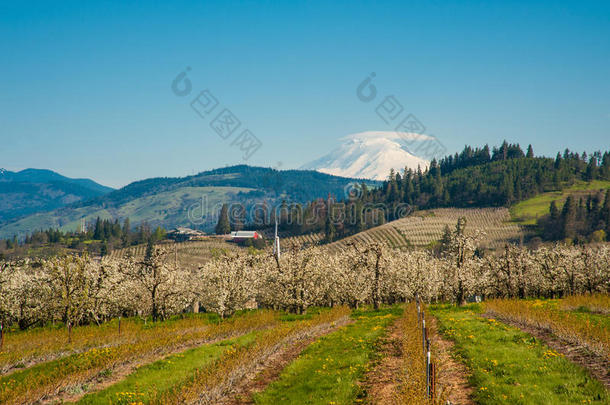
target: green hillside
33 190
171 207
526 212
192 201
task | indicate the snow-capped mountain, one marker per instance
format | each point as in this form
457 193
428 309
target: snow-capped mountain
370 155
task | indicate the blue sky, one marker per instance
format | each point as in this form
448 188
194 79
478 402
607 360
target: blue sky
86 86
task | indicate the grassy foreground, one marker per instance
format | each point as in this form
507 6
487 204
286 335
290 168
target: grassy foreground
78 369
150 380
578 325
511 367
44 343
327 372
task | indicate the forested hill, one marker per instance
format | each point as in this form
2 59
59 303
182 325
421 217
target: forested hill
478 178
166 201
39 176
294 185
35 190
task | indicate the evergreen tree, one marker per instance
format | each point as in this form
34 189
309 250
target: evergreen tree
530 151
150 248
460 226
126 233
104 249
507 190
329 230
159 234
392 187
558 161
554 211
365 192
238 215
568 219
116 229
98 231
284 214
360 223
223 226
296 217
445 242
605 213
408 187
144 233
591 172
504 151
260 215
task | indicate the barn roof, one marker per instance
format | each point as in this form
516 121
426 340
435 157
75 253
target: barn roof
243 234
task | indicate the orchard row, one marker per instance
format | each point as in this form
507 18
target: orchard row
79 290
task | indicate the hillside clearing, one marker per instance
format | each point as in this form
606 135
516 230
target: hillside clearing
528 211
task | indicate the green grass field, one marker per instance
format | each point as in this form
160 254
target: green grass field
504 364
69 367
526 212
511 367
581 313
162 375
327 372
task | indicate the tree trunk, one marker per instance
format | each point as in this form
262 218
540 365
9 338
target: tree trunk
155 310
376 292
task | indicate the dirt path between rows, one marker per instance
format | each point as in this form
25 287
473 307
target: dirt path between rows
382 383
269 369
452 374
596 365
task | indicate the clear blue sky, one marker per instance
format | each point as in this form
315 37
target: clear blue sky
85 88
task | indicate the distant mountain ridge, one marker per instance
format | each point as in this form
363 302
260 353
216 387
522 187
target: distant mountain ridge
167 202
370 155
37 190
48 176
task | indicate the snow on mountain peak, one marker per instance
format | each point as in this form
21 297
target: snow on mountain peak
370 155
387 135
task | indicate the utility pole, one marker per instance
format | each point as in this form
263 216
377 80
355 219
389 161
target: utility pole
276 246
